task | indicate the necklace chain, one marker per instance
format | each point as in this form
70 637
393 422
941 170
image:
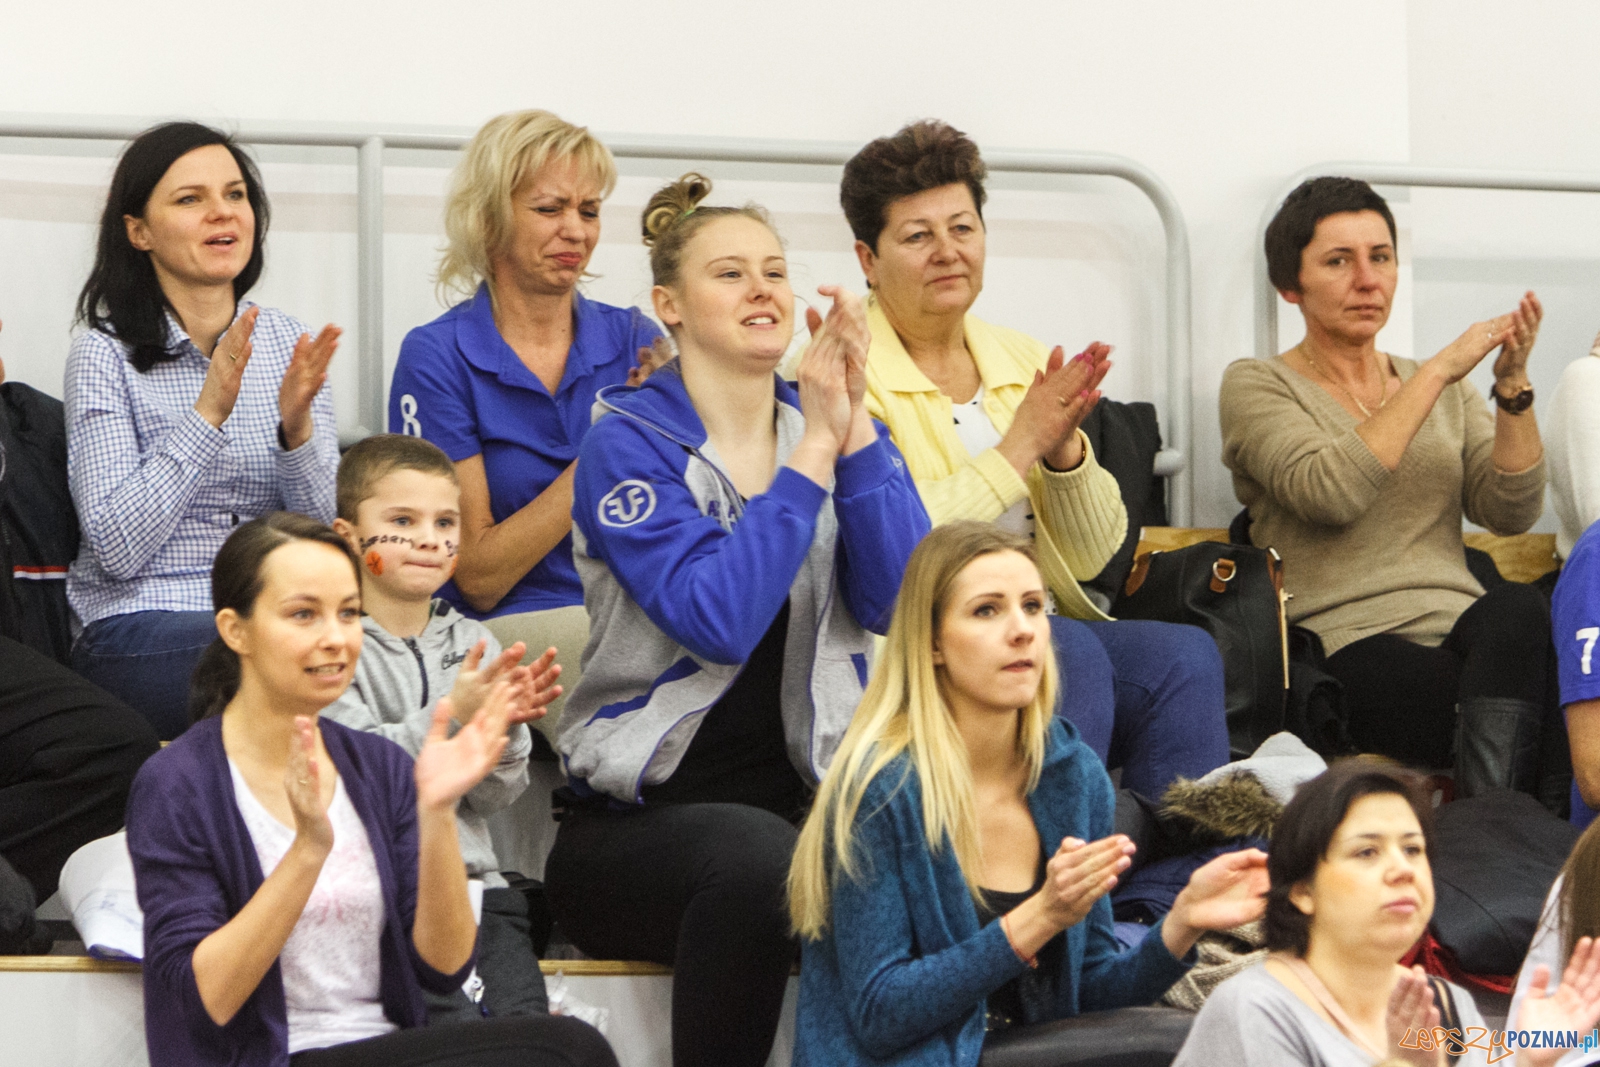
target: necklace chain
1337 384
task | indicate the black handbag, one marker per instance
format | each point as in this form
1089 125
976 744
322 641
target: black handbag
1234 593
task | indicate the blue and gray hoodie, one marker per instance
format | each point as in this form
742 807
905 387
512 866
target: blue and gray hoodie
682 578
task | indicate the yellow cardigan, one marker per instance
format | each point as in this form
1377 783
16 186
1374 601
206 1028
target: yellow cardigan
1079 517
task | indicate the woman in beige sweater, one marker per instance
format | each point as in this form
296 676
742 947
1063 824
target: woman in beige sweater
1358 467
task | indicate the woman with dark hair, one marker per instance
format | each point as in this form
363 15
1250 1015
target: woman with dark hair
987 419
189 410
301 882
1352 890
1358 468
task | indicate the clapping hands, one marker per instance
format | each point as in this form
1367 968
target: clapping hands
832 376
532 689
1081 873
1574 1005
448 767
1055 405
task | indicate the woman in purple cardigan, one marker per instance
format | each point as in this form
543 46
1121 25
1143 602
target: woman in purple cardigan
301 882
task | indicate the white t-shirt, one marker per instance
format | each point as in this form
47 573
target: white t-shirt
1572 450
330 963
978 434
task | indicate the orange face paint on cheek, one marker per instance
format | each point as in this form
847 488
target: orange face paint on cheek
375 563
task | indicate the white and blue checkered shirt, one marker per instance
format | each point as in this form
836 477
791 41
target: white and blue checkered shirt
158 488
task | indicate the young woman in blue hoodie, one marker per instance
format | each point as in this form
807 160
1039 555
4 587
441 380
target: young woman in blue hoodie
737 539
952 878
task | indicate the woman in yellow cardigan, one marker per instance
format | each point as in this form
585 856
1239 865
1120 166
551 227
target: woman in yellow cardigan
987 419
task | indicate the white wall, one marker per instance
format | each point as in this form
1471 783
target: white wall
1506 86
1222 100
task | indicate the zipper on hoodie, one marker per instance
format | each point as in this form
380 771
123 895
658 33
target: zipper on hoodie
422 667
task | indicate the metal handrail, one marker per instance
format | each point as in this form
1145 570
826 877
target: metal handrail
1395 174
1173 461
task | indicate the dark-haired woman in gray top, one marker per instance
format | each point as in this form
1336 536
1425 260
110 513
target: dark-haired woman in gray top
1351 892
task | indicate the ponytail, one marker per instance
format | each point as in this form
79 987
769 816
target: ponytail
215 681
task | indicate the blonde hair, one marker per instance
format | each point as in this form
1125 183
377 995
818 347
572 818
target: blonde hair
505 152
904 710
674 215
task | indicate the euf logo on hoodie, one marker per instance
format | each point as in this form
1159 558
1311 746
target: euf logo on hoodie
629 503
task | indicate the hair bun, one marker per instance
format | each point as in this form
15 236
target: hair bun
671 203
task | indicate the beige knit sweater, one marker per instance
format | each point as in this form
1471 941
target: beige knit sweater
1367 550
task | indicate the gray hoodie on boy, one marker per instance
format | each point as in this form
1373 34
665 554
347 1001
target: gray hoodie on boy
398 682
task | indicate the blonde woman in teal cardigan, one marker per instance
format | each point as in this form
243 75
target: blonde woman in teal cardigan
952 876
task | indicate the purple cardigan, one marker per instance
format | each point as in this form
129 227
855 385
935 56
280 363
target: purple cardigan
195 867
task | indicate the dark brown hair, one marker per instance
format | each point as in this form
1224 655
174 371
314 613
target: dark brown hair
1305 830
674 215
373 458
236 581
1313 200
122 296
920 156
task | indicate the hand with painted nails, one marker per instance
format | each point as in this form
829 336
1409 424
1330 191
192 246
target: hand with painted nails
1046 423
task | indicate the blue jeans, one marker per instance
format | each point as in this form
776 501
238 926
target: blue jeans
1146 696
146 658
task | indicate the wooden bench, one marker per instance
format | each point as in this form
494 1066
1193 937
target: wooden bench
1521 558
74 1011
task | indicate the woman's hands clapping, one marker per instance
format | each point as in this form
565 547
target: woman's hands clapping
1081 873
1411 1010
448 767
308 370
1574 1005
1513 333
303 783
832 382
1046 422
220 391
832 376
1229 891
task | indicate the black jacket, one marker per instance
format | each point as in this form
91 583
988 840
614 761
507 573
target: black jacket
38 524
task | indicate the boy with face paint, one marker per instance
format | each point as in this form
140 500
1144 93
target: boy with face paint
399 508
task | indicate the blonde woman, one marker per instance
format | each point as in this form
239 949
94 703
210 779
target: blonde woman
738 539
504 380
953 875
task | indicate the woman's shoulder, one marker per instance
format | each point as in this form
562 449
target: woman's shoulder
187 765
1250 371
1252 992
1022 347
628 319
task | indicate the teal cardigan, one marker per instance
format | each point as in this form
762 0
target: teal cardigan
901 974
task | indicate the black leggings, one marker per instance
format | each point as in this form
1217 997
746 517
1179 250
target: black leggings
1401 696
540 1041
68 753
699 887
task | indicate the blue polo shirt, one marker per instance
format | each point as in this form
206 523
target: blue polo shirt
1575 625
459 385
